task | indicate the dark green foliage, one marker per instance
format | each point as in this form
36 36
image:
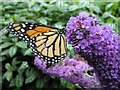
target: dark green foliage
22 74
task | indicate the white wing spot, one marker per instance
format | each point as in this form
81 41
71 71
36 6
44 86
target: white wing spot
23 25
11 23
42 59
26 37
21 34
31 48
59 58
62 56
39 56
49 62
30 27
9 26
33 39
22 30
30 43
55 60
12 30
35 53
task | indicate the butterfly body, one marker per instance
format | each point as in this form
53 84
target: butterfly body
47 43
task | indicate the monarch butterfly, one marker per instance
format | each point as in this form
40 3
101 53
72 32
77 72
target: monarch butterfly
47 43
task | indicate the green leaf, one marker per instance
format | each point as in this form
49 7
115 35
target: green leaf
39 83
21 44
7 66
36 8
15 62
28 52
97 9
24 65
108 6
4 52
107 14
59 25
8 75
5 38
70 49
63 82
12 51
15 39
22 68
5 45
31 76
2 58
84 4
53 77
12 36
59 4
109 20
12 83
118 26
19 81
52 1
42 20
1 41
69 46
8 7
70 86
31 3
73 7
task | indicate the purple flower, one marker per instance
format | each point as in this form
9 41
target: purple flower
80 36
99 45
83 44
71 70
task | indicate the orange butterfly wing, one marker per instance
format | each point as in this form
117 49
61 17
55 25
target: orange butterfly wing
47 43
27 31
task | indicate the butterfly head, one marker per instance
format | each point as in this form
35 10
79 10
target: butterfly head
62 31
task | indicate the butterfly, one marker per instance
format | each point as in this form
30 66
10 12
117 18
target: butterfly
47 43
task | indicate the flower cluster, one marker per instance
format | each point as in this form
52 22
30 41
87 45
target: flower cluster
98 44
71 70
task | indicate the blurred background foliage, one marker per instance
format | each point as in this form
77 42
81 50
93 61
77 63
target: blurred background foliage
17 72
